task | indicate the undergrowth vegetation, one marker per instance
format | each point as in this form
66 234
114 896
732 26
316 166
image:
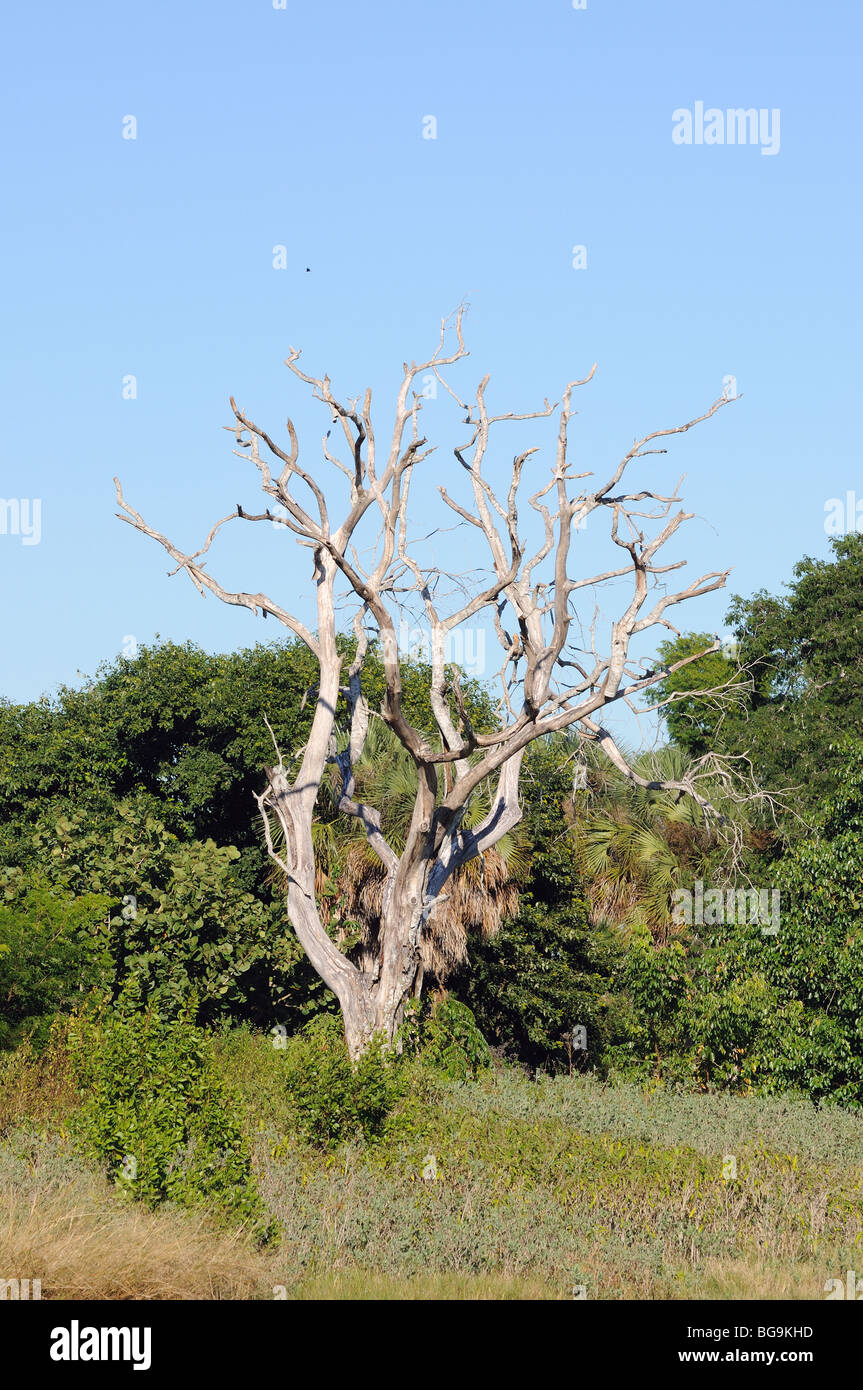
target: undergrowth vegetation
156 1114
395 1179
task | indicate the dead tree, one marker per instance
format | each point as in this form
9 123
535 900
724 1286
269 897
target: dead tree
549 682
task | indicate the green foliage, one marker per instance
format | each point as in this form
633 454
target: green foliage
53 948
656 983
140 787
636 845
183 731
812 1038
446 1038
157 1115
544 1176
693 720
797 665
177 919
130 856
739 1008
547 971
331 1099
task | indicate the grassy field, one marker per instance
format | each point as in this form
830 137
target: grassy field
494 1189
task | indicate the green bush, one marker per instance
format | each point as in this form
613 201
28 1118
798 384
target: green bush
446 1038
158 1116
330 1099
176 918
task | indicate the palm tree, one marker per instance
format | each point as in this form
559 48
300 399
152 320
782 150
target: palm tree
636 846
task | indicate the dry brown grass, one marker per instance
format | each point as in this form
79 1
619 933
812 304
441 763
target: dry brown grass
539 1188
84 1243
770 1279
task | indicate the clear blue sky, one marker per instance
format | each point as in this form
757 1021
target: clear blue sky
259 126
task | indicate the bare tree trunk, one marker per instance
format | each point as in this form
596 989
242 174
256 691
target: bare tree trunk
359 1021
373 1002
401 962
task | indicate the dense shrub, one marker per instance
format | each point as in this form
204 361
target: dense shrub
172 916
157 1114
317 1093
548 970
446 1038
329 1098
